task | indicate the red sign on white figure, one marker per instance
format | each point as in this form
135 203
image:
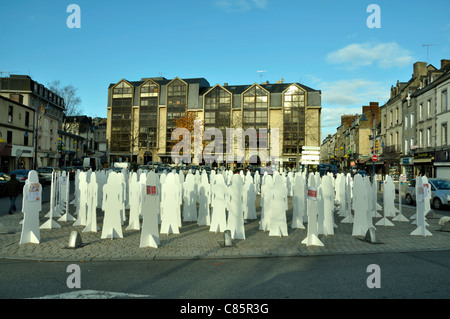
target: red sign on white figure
312 193
152 190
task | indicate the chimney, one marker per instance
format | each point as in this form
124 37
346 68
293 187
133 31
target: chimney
444 63
419 69
225 84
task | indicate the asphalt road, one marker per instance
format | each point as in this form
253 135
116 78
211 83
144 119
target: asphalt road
401 275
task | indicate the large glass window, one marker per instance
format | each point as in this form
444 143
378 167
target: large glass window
293 119
148 115
121 113
176 106
255 108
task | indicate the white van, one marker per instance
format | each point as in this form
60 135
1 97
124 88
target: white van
93 163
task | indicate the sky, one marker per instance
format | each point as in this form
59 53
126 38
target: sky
324 44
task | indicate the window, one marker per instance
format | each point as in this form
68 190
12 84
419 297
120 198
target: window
10 114
27 118
391 118
428 137
293 119
421 138
25 140
444 134
406 121
412 120
9 137
444 101
396 116
420 111
406 146
254 109
428 108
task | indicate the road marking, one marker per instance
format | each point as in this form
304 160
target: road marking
93 294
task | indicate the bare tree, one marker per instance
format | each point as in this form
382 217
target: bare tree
69 94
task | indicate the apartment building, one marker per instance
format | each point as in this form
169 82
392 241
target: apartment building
141 115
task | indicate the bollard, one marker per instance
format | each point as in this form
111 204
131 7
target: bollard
227 238
74 240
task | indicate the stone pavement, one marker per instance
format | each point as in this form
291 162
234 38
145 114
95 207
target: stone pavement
195 241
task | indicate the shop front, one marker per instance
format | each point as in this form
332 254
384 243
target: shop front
423 164
442 164
408 167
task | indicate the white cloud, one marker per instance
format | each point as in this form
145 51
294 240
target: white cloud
241 5
348 97
385 55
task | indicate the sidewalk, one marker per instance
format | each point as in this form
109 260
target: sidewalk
196 242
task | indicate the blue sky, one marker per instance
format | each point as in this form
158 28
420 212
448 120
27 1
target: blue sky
323 44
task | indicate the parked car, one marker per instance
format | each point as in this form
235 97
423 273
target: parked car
3 179
46 172
22 176
440 192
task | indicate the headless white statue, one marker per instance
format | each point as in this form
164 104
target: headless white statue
31 207
92 190
150 195
204 217
235 221
279 204
170 202
112 206
219 204
82 209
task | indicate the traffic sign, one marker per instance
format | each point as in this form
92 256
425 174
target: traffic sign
374 158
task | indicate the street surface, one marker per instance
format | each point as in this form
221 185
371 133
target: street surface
403 275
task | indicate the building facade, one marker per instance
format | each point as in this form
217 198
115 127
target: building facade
141 116
46 114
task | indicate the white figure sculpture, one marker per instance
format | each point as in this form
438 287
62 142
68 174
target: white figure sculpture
67 217
312 238
257 180
265 202
388 202
279 204
389 197
204 195
299 201
50 223
92 202
219 204
112 206
347 200
190 199
83 198
328 204
360 207
31 206
235 221
150 196
421 197
134 197
249 199
171 220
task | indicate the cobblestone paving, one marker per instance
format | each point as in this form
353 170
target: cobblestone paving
198 242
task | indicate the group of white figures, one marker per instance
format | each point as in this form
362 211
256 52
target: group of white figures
222 201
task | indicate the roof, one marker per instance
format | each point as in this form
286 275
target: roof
235 89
